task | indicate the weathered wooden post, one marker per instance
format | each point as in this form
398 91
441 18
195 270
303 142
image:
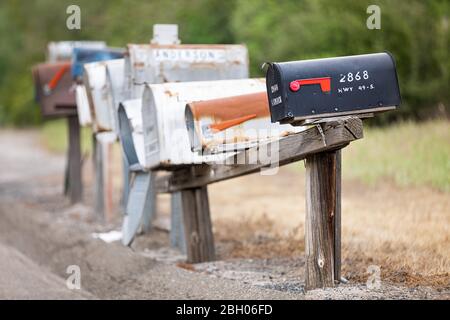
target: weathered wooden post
74 160
197 225
322 224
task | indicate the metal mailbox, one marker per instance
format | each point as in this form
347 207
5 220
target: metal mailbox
157 63
82 56
131 134
100 89
55 91
232 123
330 87
166 139
115 83
62 50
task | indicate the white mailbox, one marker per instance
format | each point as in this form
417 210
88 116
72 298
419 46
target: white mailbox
104 85
156 63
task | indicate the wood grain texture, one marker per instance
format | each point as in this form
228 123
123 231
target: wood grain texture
337 133
197 225
321 196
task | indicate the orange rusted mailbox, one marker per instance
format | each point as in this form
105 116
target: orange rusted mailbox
236 122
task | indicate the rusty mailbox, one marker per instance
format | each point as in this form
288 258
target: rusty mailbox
54 89
330 87
232 123
166 139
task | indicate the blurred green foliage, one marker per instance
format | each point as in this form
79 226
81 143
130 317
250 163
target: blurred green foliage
415 31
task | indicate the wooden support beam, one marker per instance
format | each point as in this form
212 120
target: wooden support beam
329 135
322 237
103 185
177 235
197 225
75 188
337 218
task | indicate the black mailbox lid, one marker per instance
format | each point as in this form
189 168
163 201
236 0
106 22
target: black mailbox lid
332 86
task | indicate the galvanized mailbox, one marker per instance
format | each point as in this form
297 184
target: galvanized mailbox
232 123
55 91
156 63
166 138
330 87
115 85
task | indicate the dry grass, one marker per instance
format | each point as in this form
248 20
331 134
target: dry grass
405 231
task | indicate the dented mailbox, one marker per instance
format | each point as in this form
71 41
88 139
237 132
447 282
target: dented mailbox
330 87
232 123
54 88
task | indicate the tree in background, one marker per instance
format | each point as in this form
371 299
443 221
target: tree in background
416 32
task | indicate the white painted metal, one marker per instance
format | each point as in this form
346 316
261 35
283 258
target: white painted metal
100 92
163 108
62 50
84 113
152 63
115 88
131 135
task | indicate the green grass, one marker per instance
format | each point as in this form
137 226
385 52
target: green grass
54 136
410 154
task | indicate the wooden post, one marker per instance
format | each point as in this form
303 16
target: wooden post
197 225
322 207
126 183
103 186
177 237
337 219
74 160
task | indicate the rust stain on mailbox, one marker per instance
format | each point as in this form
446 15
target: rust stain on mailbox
238 121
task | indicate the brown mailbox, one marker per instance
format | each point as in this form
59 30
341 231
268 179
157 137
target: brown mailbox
54 89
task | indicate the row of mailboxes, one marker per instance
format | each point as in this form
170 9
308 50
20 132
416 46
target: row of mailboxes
175 122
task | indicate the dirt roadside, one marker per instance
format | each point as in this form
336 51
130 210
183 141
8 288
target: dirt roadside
43 234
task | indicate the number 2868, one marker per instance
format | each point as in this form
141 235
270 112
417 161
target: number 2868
350 77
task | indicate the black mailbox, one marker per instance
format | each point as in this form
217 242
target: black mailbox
319 88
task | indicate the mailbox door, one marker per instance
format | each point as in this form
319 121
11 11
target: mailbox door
55 91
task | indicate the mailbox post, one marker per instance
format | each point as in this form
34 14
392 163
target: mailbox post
311 91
